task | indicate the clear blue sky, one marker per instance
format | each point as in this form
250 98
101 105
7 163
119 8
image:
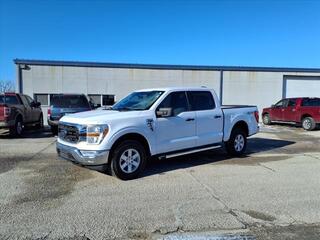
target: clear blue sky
237 33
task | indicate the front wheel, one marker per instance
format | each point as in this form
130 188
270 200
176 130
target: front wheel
237 143
128 160
308 124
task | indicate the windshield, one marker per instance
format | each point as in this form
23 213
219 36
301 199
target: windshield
69 101
138 101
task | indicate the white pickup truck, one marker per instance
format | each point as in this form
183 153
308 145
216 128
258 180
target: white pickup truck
161 123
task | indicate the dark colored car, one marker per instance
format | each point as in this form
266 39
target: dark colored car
17 111
62 104
304 111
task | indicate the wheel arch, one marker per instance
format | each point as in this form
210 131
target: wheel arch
131 136
241 125
303 116
265 113
19 116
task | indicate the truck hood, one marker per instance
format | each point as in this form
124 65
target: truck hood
98 116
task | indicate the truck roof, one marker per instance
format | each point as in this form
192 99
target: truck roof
175 89
9 93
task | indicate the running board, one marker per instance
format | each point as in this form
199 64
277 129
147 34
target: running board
284 122
190 151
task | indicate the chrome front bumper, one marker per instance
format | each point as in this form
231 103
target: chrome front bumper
82 157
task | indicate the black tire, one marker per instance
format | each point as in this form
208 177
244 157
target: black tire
54 130
17 129
120 164
266 119
39 125
308 124
237 144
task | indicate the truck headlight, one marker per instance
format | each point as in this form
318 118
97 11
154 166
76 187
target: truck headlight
96 133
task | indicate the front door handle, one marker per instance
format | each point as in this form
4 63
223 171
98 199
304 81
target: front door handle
217 116
189 119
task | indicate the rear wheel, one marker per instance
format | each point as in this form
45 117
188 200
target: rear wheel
266 119
237 143
128 160
17 129
308 124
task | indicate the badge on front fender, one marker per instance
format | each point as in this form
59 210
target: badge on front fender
150 124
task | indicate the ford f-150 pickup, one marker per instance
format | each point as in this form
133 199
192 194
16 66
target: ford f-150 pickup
18 110
304 111
161 123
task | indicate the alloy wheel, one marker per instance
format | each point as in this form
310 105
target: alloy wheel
239 143
130 160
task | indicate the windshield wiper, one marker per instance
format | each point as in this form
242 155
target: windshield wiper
123 109
108 108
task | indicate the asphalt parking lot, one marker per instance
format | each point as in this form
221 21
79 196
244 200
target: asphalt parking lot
271 193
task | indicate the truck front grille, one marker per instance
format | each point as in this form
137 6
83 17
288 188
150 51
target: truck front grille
70 133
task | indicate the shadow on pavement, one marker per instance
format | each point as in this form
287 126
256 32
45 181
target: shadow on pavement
255 145
28 132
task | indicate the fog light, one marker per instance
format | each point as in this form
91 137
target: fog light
89 154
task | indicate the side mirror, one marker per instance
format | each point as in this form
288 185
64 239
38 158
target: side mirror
272 106
164 112
35 104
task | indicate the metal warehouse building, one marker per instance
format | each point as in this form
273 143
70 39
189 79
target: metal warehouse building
103 82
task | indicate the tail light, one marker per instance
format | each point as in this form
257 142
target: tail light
7 111
49 112
256 115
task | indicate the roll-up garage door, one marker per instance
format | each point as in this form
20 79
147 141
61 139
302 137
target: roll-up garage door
300 86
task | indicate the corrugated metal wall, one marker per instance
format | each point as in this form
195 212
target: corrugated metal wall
239 87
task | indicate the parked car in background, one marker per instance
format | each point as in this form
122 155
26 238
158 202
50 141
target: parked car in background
161 123
63 104
304 111
17 111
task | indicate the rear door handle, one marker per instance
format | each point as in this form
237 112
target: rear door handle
217 116
189 119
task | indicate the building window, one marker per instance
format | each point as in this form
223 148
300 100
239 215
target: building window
95 98
104 100
42 98
107 100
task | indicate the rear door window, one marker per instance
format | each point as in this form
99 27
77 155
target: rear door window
201 100
69 101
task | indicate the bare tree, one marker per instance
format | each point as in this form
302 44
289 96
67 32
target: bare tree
6 86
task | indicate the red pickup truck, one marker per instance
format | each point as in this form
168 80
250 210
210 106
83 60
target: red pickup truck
304 111
18 110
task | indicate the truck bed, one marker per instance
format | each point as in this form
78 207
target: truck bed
236 106
236 113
